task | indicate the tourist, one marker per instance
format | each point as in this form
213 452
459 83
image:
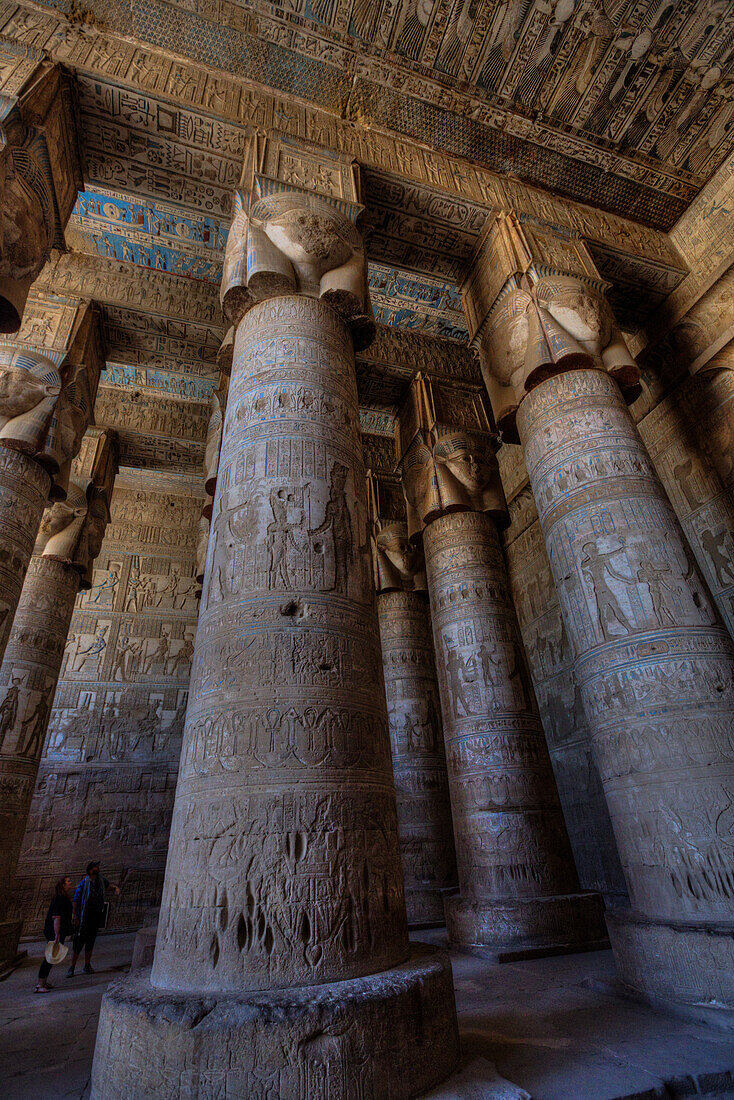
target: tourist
88 914
56 928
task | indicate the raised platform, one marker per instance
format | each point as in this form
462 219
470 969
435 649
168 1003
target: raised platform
687 967
391 1036
526 928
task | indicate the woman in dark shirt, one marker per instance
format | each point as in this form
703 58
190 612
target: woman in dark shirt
57 926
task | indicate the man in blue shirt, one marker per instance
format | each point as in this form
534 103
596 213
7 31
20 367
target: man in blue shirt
88 910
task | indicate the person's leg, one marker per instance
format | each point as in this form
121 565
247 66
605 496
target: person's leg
77 945
90 937
43 972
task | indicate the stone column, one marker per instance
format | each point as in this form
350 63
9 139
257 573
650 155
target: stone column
68 542
654 665
414 716
714 407
283 918
45 407
518 887
24 489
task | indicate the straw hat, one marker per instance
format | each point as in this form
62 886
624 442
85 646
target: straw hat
55 952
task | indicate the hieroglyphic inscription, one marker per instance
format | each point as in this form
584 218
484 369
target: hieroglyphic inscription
108 774
285 868
652 661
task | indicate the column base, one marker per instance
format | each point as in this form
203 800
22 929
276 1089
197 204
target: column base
675 964
389 1036
10 956
512 929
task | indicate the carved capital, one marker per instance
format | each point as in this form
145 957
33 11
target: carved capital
537 307
226 353
48 385
62 525
288 237
397 563
39 178
72 529
448 456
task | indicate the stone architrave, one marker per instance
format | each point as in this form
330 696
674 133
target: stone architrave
48 383
40 175
69 540
518 887
653 663
283 918
414 717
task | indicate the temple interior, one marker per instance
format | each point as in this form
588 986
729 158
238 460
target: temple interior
367 549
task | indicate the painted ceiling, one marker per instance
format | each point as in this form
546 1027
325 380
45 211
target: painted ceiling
624 104
628 102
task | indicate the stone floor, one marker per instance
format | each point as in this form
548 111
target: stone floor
550 1029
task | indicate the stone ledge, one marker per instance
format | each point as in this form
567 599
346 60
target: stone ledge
389 1036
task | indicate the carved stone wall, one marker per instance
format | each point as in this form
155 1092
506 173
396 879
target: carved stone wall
107 779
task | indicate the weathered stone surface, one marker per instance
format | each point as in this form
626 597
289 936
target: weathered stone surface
418 754
114 740
566 730
653 662
24 489
284 865
28 677
285 703
388 1036
518 883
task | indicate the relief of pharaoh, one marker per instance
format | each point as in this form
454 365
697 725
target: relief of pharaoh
293 243
547 326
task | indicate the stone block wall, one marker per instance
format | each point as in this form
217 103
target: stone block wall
108 775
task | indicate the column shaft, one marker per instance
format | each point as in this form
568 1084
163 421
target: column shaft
418 755
655 670
28 678
24 489
518 885
285 765
283 918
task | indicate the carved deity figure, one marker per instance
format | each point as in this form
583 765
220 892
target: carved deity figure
338 521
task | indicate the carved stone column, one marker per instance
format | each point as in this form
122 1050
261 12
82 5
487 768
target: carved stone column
414 717
40 174
714 406
46 399
283 918
654 665
68 542
518 888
